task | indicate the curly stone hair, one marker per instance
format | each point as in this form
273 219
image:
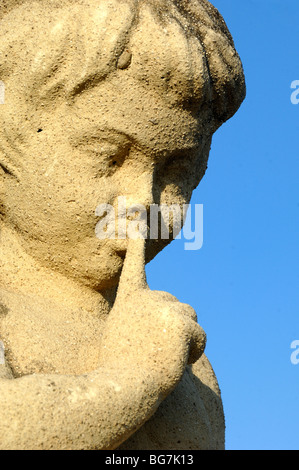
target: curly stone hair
208 72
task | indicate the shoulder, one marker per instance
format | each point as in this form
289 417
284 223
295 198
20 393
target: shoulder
204 379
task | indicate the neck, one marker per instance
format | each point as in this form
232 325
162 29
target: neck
22 274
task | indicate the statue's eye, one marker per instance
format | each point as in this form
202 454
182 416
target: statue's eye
108 157
118 155
106 153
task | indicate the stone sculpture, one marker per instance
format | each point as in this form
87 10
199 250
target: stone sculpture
104 98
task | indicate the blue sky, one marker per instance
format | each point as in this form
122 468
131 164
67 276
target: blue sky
243 283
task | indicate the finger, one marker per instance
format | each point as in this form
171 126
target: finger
175 305
189 312
133 275
197 344
196 337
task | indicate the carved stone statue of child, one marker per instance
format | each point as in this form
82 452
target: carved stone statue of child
104 98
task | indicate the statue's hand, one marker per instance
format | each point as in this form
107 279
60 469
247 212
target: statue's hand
149 332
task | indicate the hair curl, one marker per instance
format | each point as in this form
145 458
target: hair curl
205 31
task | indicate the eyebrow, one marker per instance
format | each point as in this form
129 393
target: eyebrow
115 136
118 137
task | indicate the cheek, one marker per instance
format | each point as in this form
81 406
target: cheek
174 199
169 196
177 182
173 194
55 209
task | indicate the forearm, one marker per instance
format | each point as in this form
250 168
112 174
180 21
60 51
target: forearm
97 411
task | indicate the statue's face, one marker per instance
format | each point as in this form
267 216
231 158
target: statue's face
89 152
128 135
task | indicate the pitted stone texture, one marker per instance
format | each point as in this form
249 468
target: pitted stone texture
104 98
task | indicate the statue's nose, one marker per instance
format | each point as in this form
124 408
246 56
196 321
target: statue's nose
140 191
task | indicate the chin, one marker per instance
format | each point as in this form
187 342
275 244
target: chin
99 273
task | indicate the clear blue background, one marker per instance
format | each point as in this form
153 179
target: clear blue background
244 281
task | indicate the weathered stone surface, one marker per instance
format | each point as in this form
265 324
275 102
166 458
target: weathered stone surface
104 99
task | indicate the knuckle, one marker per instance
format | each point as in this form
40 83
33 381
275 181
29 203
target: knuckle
163 296
190 312
197 349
